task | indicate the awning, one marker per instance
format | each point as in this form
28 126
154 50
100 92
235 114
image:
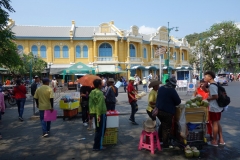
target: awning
184 68
138 67
78 68
171 68
151 67
3 69
111 72
56 70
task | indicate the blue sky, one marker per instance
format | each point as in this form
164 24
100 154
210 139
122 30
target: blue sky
189 15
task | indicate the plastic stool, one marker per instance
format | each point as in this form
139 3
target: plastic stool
151 144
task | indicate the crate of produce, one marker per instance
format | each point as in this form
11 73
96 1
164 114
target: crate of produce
69 105
199 114
110 136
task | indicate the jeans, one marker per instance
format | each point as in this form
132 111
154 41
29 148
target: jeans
125 88
134 107
20 104
85 111
145 88
45 124
100 131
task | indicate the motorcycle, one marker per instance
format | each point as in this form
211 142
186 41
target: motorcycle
9 97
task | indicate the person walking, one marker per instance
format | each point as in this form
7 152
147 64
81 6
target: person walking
20 92
214 110
54 84
144 82
2 108
36 84
136 82
132 100
167 100
111 94
44 99
152 98
84 93
97 107
124 82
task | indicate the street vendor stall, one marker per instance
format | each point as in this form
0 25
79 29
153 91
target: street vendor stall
76 69
190 121
70 106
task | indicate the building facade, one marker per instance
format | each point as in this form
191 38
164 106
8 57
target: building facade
105 47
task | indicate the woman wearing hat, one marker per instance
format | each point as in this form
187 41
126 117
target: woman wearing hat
111 94
167 100
152 98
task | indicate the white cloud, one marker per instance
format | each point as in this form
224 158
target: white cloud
147 30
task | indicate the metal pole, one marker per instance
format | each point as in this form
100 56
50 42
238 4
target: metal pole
160 66
168 53
201 55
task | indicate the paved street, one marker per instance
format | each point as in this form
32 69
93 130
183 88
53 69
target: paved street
23 141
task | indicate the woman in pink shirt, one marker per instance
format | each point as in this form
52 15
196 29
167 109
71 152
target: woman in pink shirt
2 108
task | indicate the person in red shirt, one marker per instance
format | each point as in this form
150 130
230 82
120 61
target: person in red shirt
20 92
8 82
132 99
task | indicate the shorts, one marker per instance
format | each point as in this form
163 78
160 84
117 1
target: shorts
214 116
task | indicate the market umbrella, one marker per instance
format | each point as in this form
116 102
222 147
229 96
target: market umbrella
87 80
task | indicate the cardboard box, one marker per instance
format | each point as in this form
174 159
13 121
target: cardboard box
193 114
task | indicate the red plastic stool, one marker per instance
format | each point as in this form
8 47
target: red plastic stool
151 145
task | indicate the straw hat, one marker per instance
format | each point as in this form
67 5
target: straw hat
149 125
154 83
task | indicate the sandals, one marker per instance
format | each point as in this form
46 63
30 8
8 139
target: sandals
214 145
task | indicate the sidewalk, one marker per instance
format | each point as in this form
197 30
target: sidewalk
23 141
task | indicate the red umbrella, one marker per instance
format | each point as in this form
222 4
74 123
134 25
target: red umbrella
87 80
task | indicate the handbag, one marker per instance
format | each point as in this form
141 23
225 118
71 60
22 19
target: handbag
50 115
155 112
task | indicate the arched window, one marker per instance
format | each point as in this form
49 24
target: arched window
182 56
78 52
145 53
65 51
56 52
20 48
85 52
132 50
34 50
43 53
105 50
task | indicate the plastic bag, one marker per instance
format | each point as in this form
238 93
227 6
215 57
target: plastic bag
182 123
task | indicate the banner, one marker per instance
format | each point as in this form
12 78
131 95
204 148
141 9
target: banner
182 83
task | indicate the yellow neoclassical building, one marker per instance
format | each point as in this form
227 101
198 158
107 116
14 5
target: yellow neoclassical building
105 47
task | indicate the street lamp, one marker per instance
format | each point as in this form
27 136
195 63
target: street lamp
167 61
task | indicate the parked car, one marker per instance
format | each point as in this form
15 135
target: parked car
223 79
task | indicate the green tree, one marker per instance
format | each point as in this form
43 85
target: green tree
8 50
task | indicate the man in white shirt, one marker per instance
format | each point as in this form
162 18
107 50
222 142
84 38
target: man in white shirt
214 109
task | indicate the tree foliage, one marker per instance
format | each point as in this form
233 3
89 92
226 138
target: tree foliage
8 50
26 62
218 46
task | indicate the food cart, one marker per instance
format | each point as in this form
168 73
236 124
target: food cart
190 125
70 106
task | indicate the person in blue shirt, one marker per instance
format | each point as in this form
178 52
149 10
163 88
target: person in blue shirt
167 100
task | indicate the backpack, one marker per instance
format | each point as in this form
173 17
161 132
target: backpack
223 100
